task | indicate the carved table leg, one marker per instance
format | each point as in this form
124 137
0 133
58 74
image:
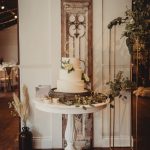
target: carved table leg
69 133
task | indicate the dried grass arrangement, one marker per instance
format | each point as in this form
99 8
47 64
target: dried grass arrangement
20 107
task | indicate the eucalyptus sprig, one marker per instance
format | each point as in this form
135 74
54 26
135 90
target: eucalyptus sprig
119 84
83 101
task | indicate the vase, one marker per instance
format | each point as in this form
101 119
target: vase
25 139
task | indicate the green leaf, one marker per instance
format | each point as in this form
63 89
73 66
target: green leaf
125 97
84 107
112 106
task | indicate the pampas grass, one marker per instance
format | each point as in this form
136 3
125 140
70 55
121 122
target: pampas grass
21 107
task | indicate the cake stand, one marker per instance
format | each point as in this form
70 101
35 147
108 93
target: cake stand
71 110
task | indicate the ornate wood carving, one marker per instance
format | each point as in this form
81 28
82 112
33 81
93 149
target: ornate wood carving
76 41
76 37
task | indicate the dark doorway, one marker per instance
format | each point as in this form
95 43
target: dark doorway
9 73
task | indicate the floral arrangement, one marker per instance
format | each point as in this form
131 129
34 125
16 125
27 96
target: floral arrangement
67 66
120 83
85 78
142 91
78 100
112 89
20 108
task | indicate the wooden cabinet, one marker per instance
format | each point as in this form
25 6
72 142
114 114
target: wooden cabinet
140 60
141 122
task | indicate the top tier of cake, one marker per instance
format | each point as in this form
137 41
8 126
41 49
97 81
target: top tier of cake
70 76
71 60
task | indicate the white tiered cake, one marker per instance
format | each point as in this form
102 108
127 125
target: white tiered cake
70 76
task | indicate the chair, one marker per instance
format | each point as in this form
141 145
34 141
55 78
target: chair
15 77
8 78
3 80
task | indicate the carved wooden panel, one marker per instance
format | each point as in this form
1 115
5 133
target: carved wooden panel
76 41
76 37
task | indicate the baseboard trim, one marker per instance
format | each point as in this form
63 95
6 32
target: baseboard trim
46 143
49 149
96 148
42 142
119 141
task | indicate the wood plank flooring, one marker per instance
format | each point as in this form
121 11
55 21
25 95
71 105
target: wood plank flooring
9 125
117 148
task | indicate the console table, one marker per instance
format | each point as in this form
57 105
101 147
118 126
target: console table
70 111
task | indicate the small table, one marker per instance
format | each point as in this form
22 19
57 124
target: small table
8 72
70 111
7 76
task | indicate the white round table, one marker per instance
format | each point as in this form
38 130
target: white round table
70 111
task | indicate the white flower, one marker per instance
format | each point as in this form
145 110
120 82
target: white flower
67 66
85 77
107 90
132 21
139 91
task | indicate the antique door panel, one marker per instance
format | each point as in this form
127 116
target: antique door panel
76 28
76 41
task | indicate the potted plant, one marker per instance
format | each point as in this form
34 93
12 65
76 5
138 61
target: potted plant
21 108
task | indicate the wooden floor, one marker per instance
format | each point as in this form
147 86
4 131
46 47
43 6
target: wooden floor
9 126
96 149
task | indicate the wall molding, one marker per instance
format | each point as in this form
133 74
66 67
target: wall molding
120 141
34 66
42 142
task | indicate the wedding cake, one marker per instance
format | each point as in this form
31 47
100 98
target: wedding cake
71 76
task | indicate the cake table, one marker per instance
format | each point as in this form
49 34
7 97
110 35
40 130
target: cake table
59 108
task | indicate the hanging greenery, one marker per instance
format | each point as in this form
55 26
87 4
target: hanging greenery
114 88
137 23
